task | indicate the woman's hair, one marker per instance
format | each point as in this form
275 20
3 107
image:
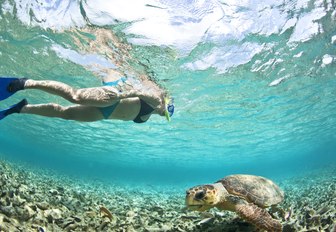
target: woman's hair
119 52
148 78
150 75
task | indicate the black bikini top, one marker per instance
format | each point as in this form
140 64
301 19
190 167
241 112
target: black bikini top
144 110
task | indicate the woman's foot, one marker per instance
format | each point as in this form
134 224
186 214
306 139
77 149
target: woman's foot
13 109
10 85
16 85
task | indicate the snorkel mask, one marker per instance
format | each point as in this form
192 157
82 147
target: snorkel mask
169 107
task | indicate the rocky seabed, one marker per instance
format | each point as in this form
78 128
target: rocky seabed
31 201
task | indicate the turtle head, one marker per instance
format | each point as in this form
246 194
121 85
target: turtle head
202 197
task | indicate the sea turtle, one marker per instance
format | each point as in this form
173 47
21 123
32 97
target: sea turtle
246 195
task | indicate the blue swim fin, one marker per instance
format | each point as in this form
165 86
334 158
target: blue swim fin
10 85
13 109
4 83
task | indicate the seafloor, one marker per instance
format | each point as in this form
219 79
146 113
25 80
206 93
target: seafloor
40 201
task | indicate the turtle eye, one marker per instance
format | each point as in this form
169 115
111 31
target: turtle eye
200 195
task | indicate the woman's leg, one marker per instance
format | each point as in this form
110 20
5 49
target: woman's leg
99 96
75 112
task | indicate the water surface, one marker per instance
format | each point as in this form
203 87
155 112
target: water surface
254 87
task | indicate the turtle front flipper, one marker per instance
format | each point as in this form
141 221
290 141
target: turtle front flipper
259 217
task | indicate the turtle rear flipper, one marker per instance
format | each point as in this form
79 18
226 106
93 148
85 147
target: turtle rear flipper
259 217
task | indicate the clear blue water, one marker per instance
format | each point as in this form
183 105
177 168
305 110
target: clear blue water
254 84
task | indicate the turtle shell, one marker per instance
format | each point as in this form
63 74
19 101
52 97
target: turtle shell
254 189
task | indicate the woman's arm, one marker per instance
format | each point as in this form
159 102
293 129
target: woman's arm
151 99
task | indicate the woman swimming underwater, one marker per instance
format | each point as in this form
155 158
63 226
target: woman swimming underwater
116 99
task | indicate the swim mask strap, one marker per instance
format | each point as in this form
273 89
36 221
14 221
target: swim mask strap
169 108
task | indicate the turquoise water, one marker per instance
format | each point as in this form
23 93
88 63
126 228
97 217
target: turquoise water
253 82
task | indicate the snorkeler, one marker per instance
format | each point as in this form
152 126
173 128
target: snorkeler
115 100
